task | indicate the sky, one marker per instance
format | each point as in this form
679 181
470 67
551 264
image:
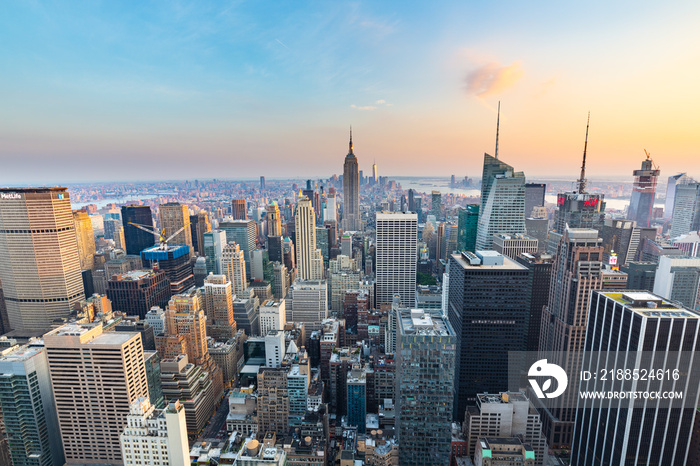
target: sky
93 91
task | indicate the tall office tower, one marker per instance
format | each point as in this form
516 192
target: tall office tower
506 415
576 270
540 267
262 183
234 268
275 251
274 348
307 302
155 436
28 412
637 430
489 309
213 243
154 378
686 210
374 172
174 216
298 380
112 363
689 244
246 314
239 209
136 292
4 320
351 192
673 182
677 279
136 239
640 275
411 200
396 250
330 212
175 262
218 305
436 204
340 282
356 395
111 225
192 386
281 281
624 238
119 241
643 193
243 233
199 224
273 400
185 317
274 220
425 369
309 259
273 316
323 243
39 262
578 208
514 245
502 202
467 224
86 239
534 197
355 302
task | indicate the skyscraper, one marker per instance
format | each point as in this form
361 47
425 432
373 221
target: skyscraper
174 216
577 269
534 196
274 220
136 239
243 233
502 202
218 305
540 267
39 262
643 193
351 192
489 310
136 292
27 407
578 208
239 209
425 368
396 253
174 260
213 250
678 279
155 436
309 258
199 224
686 209
233 267
86 239
112 364
436 204
673 181
262 183
637 430
467 224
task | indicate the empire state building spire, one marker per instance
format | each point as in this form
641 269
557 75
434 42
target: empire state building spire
350 153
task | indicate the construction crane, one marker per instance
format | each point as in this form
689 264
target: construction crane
159 233
652 160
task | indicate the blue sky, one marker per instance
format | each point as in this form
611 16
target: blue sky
143 90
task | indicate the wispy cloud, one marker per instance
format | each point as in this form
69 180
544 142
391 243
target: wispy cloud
545 87
363 107
493 78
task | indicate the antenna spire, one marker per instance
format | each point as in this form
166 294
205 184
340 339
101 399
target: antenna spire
498 123
582 179
350 152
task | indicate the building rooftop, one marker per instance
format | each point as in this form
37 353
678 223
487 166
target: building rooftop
650 305
473 262
422 322
19 353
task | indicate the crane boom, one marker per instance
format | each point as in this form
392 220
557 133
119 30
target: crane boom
177 232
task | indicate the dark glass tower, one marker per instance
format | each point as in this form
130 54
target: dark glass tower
137 240
488 307
534 196
638 431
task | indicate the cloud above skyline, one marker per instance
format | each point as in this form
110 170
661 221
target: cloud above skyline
493 78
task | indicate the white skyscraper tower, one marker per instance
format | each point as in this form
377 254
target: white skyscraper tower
351 192
309 259
155 437
397 243
233 267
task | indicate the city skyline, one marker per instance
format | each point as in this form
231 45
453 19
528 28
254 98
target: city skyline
112 93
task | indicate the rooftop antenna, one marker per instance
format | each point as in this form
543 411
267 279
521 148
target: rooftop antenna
350 153
498 123
582 179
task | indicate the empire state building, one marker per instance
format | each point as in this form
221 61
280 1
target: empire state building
351 192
